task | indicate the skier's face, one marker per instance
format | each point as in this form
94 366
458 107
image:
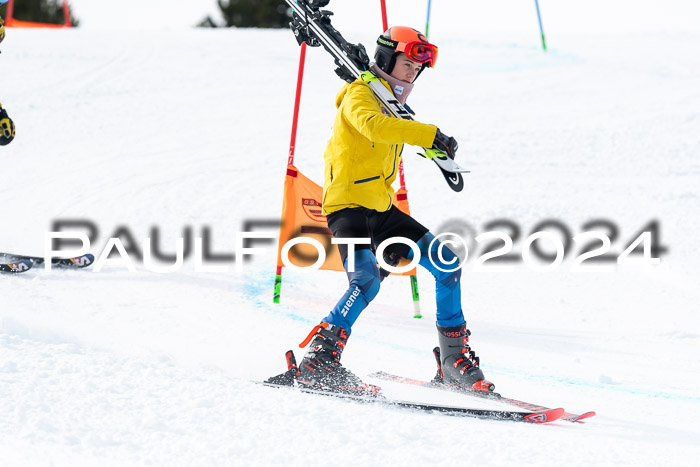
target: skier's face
405 69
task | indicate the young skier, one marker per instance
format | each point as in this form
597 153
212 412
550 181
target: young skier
361 163
7 127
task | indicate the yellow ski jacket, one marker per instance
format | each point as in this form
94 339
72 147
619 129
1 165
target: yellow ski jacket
362 157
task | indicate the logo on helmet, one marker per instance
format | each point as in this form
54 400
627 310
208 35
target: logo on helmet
386 42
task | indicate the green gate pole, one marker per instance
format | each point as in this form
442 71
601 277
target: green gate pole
539 20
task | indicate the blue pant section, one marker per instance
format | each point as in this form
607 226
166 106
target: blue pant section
364 285
448 294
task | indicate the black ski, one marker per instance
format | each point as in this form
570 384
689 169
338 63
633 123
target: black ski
312 26
16 267
77 262
288 379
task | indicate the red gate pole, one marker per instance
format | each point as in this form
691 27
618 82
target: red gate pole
385 23
10 8
66 14
402 182
292 148
297 101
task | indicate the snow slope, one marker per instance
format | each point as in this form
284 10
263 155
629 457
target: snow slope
177 131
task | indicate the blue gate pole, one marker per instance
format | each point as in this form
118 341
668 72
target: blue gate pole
427 20
539 20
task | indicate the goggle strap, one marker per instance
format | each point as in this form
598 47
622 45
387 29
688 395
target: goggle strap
387 42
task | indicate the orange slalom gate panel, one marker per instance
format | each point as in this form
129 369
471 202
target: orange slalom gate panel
302 216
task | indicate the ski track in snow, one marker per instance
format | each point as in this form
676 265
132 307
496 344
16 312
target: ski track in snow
166 130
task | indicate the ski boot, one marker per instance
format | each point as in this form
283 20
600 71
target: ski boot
320 368
458 365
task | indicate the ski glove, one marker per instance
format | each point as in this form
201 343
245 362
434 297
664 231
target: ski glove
446 144
7 128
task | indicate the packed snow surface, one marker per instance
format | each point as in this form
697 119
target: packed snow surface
152 129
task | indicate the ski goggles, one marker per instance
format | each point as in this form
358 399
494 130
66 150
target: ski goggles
421 52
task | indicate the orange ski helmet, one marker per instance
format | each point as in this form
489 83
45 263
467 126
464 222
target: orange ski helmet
412 42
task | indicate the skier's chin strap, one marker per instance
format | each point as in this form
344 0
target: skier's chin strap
401 89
